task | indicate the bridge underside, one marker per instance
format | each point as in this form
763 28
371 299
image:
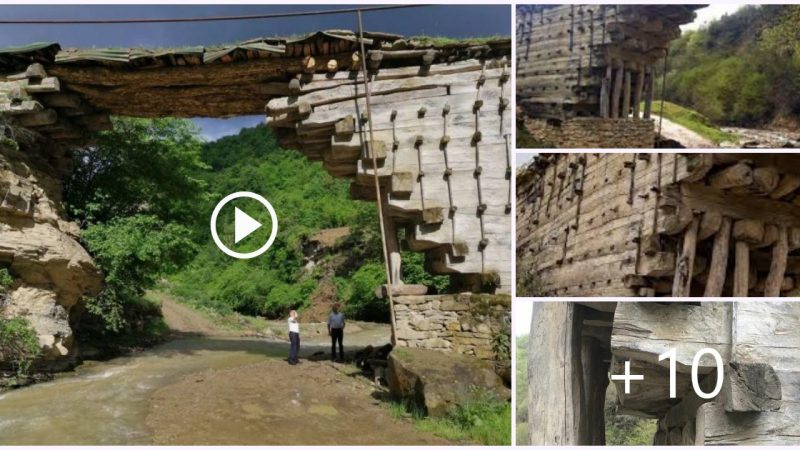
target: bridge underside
446 173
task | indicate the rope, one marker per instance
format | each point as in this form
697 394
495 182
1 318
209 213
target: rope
375 177
200 19
663 93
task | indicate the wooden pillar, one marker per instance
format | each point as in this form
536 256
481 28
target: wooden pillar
741 271
604 93
648 100
626 95
637 96
685 264
617 92
555 397
719 260
777 268
392 243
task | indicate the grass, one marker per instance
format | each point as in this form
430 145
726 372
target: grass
436 41
694 121
482 420
525 140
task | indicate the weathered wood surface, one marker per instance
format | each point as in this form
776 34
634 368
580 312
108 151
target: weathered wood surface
561 49
630 215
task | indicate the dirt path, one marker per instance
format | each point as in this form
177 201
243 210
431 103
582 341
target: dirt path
182 319
273 403
685 136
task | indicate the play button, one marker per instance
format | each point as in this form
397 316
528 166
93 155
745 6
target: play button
244 225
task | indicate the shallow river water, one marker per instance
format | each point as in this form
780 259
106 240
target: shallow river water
107 402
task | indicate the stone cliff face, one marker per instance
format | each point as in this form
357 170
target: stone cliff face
39 247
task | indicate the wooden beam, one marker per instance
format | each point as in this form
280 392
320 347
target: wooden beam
626 95
780 254
705 198
617 92
685 263
604 94
719 260
648 101
637 98
741 274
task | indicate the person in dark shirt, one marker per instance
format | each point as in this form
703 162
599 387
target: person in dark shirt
336 331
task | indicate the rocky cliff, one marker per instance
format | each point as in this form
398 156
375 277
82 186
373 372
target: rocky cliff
40 249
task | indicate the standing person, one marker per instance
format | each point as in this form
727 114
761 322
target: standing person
294 337
336 331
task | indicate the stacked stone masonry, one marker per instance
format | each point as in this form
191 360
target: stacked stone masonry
465 323
593 132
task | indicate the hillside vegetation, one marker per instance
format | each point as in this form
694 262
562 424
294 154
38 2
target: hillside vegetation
144 195
741 69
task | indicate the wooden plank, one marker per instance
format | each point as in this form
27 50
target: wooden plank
719 260
685 264
780 253
707 199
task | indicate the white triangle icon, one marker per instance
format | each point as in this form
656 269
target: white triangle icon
243 225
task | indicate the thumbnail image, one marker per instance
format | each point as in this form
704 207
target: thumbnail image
657 76
657 373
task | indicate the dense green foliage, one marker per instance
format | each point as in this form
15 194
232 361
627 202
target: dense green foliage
19 344
133 194
740 69
5 279
140 167
623 429
144 195
133 253
307 200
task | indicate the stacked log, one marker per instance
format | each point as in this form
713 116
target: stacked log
33 100
661 224
441 141
592 60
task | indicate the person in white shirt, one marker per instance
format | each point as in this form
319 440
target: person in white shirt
294 337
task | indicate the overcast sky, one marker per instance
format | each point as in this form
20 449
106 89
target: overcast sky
710 13
455 21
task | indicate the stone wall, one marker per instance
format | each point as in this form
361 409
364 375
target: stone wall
461 323
591 132
39 248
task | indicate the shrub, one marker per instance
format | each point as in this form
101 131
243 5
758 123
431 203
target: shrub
19 344
5 280
133 252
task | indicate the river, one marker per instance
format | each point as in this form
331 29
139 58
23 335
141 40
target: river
107 402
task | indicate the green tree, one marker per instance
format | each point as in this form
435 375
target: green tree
133 252
142 166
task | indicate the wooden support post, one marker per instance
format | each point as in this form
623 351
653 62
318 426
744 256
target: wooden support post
604 93
626 95
719 260
741 272
617 93
637 97
648 100
777 269
685 263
